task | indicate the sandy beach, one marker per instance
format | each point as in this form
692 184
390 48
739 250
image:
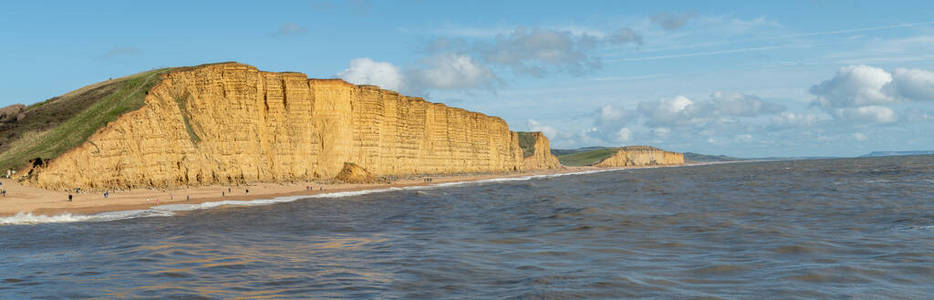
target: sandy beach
26 199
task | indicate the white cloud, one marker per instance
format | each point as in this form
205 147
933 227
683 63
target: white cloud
610 114
548 131
368 71
859 137
864 93
854 86
913 84
624 135
452 71
790 119
668 111
870 113
739 104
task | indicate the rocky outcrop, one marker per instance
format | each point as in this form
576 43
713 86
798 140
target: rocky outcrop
352 173
641 156
541 157
231 123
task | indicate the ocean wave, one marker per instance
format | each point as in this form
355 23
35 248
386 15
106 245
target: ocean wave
170 209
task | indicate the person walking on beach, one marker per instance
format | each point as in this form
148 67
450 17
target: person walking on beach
69 197
247 191
187 198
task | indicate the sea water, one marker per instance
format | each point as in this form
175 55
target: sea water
835 228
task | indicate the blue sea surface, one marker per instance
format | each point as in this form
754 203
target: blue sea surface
836 228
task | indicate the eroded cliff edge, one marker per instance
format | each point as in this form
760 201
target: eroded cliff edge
231 123
641 156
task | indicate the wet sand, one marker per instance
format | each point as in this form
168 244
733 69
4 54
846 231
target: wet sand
25 199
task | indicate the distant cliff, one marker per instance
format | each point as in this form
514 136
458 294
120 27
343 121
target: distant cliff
641 156
231 123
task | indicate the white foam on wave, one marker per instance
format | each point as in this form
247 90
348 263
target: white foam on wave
170 209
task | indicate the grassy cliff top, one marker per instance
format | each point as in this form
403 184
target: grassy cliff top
591 155
49 128
586 158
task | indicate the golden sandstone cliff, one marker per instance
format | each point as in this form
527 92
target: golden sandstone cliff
541 157
641 156
231 123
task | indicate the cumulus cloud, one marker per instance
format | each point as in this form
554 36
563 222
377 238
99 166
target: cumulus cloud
668 111
912 84
671 21
865 93
610 114
548 131
624 135
854 86
368 71
452 71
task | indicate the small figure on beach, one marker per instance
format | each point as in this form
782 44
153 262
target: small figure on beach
187 198
77 190
222 194
3 192
247 191
69 197
228 189
106 195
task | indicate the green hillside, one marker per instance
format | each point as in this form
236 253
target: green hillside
527 143
49 128
586 158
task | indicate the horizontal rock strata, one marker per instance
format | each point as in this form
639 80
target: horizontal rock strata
641 156
231 123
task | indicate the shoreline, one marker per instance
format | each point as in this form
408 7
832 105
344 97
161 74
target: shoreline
35 202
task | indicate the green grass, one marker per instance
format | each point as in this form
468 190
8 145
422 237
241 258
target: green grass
586 158
527 143
182 101
62 123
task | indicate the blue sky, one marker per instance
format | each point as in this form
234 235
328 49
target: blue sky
744 78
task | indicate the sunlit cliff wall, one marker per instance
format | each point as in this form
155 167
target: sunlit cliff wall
641 156
231 123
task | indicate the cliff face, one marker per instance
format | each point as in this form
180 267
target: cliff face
231 123
641 156
541 157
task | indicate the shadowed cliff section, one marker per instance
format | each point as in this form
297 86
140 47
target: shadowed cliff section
231 123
